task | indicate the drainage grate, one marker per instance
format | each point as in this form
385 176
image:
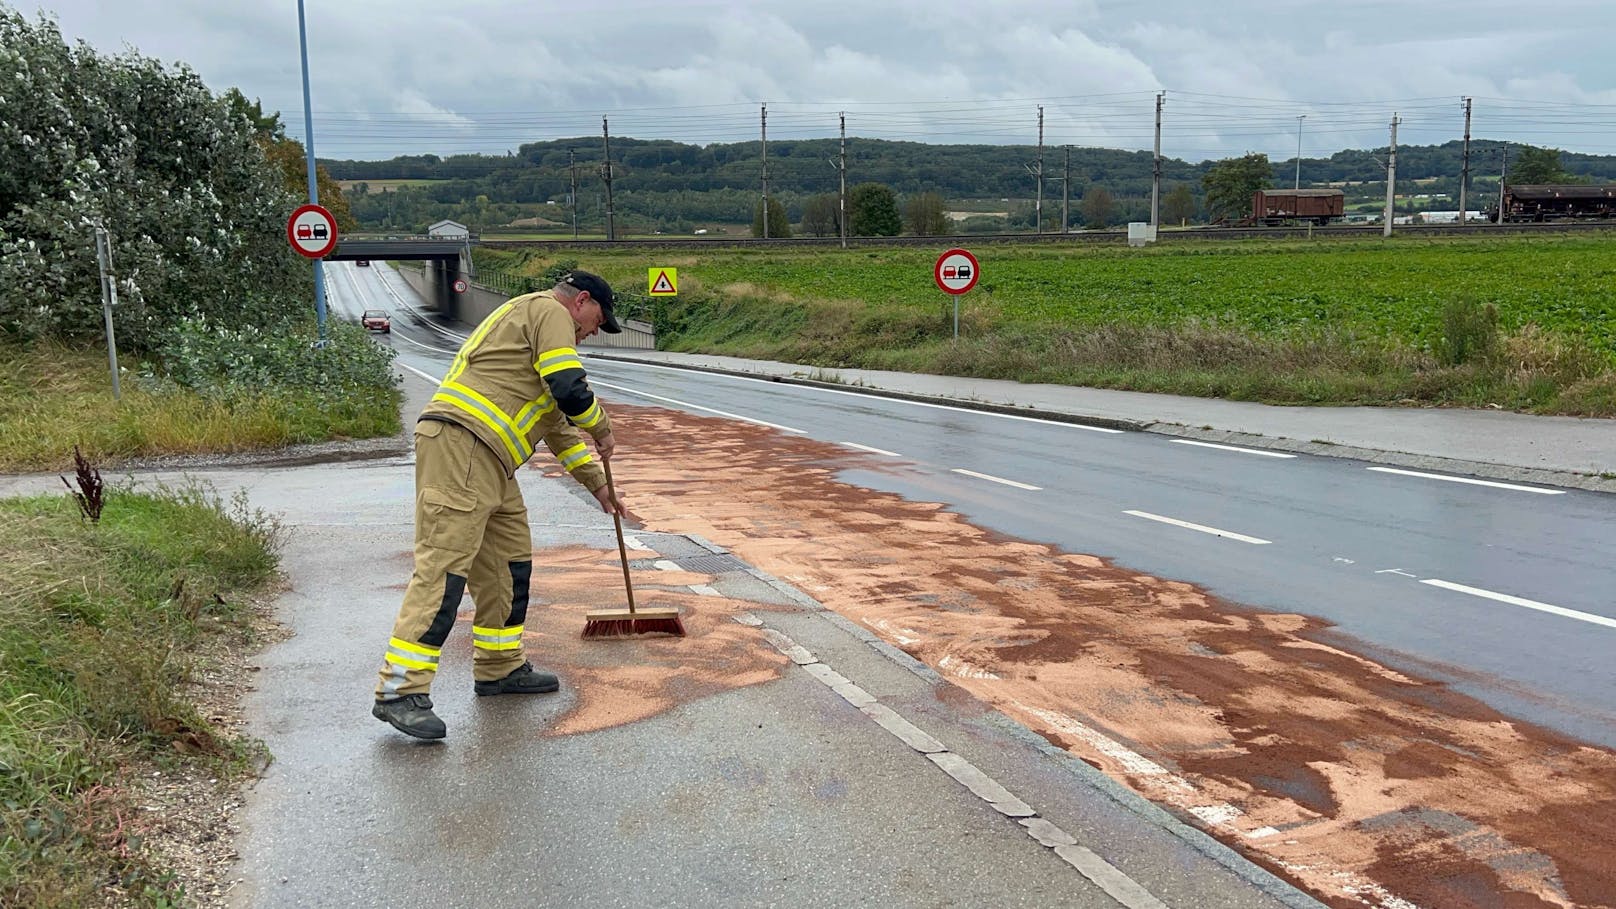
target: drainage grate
712 564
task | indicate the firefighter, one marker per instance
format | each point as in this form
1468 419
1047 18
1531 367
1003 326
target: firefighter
516 381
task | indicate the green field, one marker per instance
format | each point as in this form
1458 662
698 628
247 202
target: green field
1328 321
377 186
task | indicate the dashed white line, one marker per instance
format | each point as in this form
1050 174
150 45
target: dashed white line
1473 482
1250 451
994 479
1258 541
722 413
433 379
879 451
1523 602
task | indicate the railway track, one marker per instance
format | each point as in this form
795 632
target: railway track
1082 237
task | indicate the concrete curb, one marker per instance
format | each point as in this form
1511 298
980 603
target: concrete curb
1560 478
1244 868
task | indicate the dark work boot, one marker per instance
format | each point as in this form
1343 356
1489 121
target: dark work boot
524 679
412 715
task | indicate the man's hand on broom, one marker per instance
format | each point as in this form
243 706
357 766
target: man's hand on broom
610 501
605 445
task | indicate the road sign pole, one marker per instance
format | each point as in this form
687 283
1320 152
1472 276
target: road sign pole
956 315
314 186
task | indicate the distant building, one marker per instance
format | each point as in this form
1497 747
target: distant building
449 230
1448 217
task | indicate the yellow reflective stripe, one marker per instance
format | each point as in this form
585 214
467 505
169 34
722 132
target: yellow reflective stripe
533 411
422 649
497 638
590 417
411 656
553 361
489 414
408 663
575 457
476 338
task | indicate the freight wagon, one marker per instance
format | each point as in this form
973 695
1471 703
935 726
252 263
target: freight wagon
1556 202
1274 207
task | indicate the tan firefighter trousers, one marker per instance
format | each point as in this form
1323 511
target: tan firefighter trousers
471 532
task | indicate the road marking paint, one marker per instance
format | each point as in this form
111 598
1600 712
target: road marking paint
433 379
834 391
1396 571
666 565
442 350
1524 603
1473 482
1250 451
1201 527
964 669
1113 881
879 451
994 479
706 590
722 413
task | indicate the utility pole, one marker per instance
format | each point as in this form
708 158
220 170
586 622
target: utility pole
1298 186
1391 180
1464 175
765 125
1155 166
572 199
1066 193
842 202
606 174
1503 174
1038 208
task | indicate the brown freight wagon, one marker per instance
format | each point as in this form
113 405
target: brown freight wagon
1274 207
1556 201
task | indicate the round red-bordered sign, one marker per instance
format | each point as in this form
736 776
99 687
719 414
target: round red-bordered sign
460 286
312 231
956 271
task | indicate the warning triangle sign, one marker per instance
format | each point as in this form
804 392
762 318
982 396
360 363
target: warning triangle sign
662 285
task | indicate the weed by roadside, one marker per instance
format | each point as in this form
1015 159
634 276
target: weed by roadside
53 398
99 627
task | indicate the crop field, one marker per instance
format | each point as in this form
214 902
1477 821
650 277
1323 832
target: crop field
377 186
1525 323
1396 289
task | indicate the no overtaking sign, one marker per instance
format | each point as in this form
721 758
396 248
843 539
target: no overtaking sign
956 271
312 231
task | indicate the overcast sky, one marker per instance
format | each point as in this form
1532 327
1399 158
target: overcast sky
447 76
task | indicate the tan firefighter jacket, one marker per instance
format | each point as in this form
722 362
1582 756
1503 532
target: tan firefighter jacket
518 380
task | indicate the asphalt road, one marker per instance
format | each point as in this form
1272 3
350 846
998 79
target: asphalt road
1506 590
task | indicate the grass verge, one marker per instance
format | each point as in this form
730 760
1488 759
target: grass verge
53 398
100 624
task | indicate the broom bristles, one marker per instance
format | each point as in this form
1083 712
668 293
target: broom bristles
622 626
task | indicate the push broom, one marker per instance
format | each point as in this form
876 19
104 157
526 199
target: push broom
612 623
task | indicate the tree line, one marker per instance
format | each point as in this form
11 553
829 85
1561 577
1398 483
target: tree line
673 187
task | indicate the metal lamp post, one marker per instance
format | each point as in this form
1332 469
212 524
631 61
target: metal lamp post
314 189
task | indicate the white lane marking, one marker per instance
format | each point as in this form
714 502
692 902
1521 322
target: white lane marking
994 479
1396 571
1437 476
433 379
1251 451
443 350
879 451
1524 602
833 391
1201 527
722 413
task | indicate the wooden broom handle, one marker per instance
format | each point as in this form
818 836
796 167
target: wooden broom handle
617 521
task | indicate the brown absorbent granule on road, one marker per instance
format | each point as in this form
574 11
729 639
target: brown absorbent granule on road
621 680
1359 782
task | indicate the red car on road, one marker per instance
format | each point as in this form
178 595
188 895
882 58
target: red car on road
376 320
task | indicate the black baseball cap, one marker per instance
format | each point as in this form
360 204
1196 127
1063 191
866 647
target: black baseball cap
600 292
